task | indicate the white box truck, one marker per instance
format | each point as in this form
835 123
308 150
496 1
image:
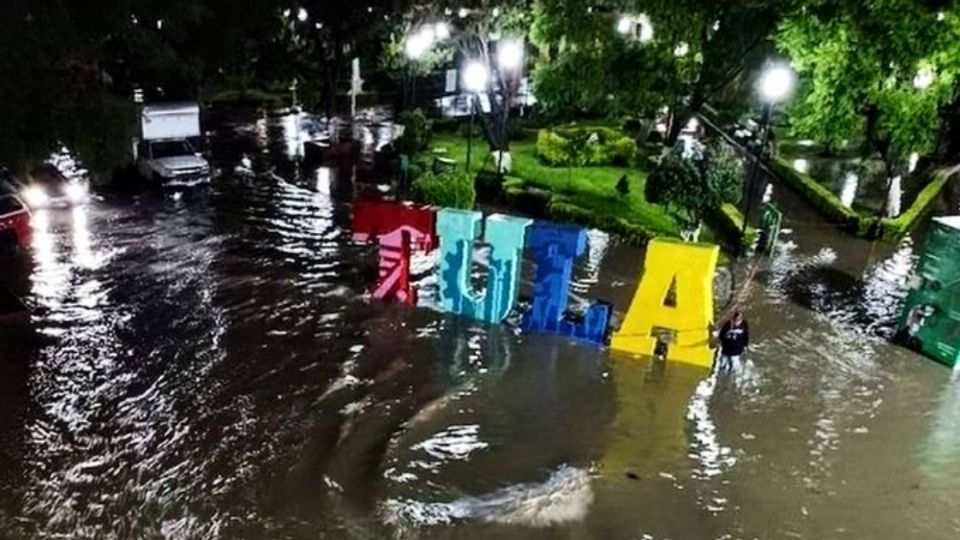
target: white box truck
164 154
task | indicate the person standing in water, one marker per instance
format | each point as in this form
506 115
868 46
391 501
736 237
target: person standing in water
734 339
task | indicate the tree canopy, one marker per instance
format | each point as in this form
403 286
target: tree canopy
691 51
874 71
693 183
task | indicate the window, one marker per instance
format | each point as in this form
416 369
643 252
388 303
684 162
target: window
170 149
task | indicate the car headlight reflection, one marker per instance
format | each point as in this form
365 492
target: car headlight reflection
76 192
35 196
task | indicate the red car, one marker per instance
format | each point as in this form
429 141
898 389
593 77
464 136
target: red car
14 224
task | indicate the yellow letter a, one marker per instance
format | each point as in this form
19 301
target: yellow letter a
691 267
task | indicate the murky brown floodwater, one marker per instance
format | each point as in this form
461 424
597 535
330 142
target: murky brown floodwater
207 366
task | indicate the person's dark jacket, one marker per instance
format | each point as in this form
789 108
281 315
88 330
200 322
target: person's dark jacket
734 339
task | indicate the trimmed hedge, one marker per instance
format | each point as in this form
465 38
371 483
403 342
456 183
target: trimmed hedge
563 147
562 210
893 229
816 194
728 221
890 229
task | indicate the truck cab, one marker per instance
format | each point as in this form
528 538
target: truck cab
164 154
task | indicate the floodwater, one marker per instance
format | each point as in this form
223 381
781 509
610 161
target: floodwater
206 364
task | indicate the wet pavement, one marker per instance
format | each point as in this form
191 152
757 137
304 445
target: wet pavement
206 364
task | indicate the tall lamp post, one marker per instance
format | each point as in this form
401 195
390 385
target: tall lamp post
774 86
509 64
475 78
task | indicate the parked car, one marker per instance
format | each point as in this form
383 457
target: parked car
8 184
47 187
15 230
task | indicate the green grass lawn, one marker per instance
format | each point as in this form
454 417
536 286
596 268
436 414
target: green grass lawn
591 189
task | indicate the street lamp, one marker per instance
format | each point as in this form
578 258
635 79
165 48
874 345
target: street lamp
776 83
302 15
640 26
923 79
509 54
442 30
475 78
418 44
509 63
774 86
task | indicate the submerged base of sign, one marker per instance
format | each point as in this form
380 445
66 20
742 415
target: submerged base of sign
459 231
397 227
555 248
687 271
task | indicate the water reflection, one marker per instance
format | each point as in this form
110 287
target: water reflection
848 193
653 399
940 453
894 197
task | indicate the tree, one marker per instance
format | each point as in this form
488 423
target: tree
721 40
54 84
477 28
691 184
585 68
877 71
405 70
691 51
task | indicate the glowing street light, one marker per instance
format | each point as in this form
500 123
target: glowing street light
776 83
510 54
475 76
640 26
442 30
414 47
302 15
428 34
645 29
923 79
418 44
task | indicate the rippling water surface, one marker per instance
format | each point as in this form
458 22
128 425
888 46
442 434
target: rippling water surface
206 364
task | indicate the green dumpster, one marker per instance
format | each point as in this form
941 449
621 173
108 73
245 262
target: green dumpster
930 322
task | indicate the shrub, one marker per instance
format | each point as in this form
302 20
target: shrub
417 132
552 148
623 151
693 186
449 189
576 147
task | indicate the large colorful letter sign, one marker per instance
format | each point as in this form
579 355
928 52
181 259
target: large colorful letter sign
690 267
397 226
555 247
458 230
